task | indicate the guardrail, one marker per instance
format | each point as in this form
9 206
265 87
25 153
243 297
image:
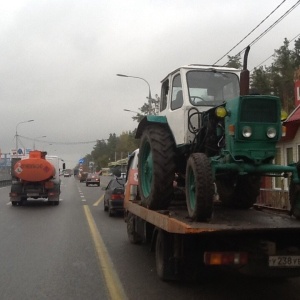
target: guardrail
5 182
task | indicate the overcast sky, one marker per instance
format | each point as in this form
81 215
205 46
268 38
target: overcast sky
59 60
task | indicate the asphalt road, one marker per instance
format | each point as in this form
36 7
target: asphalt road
76 251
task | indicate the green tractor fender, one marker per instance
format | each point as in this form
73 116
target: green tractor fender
148 120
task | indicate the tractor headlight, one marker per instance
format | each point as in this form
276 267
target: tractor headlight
247 131
271 132
221 112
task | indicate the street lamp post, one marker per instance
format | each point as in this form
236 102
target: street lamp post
17 134
39 137
131 111
149 98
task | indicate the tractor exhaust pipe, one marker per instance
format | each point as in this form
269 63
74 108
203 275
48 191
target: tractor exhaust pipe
245 75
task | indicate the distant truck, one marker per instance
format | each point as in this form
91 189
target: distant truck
35 176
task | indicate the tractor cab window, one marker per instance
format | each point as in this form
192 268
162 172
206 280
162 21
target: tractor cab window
212 88
164 95
177 96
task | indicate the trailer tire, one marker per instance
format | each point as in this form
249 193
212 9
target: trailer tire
199 187
164 258
294 197
133 236
156 167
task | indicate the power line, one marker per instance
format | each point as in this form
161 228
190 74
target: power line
250 32
272 26
275 23
273 53
58 143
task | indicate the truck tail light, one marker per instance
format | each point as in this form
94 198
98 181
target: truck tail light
117 196
13 194
225 258
231 129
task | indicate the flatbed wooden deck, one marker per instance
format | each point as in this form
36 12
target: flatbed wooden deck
224 220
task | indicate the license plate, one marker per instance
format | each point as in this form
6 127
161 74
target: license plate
32 194
284 261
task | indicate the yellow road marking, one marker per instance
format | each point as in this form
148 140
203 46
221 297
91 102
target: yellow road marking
112 280
98 201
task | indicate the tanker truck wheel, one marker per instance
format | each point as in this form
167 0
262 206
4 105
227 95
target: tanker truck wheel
199 187
156 167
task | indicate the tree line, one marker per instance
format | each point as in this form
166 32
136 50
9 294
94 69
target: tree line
278 78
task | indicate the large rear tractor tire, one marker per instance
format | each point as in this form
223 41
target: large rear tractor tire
156 167
199 187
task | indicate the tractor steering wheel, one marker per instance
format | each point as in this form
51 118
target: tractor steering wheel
193 99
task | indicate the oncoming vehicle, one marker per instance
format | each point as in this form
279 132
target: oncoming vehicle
92 179
114 196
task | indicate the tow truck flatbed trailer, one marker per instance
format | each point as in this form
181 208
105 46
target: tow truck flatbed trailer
254 241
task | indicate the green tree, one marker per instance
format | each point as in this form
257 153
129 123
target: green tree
260 81
234 61
283 70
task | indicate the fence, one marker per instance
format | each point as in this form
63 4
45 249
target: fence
271 198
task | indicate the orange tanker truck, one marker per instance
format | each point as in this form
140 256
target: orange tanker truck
36 177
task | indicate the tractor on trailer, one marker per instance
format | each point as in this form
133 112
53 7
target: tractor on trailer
211 137
211 133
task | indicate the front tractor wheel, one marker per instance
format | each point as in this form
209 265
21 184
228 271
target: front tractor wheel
199 187
156 167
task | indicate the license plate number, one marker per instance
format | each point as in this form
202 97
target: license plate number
284 261
32 194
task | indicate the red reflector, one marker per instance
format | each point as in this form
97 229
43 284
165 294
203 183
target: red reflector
52 194
225 258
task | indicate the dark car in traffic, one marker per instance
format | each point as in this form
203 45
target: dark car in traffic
114 196
92 178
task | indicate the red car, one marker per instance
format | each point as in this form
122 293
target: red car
92 178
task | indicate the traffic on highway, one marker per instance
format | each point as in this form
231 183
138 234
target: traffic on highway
76 250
